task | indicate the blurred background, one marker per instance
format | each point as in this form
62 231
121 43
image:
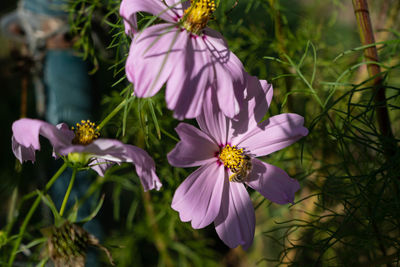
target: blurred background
347 212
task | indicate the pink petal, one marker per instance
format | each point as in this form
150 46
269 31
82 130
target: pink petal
272 182
235 222
198 198
195 148
26 133
229 73
189 79
178 6
212 121
145 167
100 166
152 57
255 106
226 91
116 151
274 134
129 8
22 153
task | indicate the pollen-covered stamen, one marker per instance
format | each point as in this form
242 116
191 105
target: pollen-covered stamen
195 18
231 157
85 133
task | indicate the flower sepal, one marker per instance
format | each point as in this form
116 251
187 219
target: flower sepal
78 160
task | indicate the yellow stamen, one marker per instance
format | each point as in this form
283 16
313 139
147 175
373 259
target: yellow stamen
197 15
231 157
85 133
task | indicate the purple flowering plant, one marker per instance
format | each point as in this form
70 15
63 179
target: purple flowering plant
82 147
170 61
183 53
226 150
206 81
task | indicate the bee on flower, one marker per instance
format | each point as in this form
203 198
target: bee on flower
226 150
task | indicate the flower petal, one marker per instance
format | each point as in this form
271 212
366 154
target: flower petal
189 79
229 74
212 121
116 151
194 149
100 166
272 182
22 153
198 198
226 91
235 222
26 133
255 106
273 134
129 8
152 58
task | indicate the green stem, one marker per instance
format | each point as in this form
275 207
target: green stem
114 112
71 184
30 213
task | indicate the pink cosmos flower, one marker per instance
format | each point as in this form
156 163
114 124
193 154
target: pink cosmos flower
226 151
82 146
183 53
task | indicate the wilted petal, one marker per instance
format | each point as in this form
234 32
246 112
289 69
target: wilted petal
195 148
26 137
129 8
116 151
274 134
152 57
272 182
235 223
198 198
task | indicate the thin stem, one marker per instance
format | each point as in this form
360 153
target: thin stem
30 213
11 213
169 135
71 184
24 94
371 54
113 113
300 74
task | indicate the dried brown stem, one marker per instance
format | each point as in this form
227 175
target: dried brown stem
371 54
24 95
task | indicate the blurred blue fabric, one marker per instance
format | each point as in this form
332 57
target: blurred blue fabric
46 7
68 89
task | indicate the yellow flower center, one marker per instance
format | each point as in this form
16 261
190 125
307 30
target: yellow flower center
231 157
195 18
238 162
85 133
